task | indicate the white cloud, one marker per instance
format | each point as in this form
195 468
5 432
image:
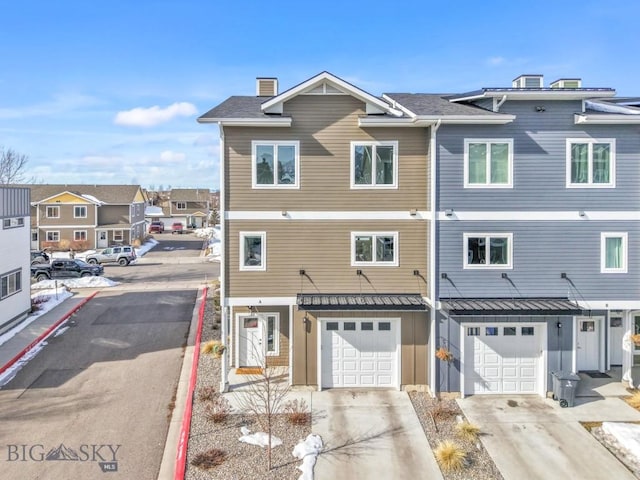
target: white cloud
495 61
149 117
172 157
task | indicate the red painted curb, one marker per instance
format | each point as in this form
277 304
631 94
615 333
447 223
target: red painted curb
46 333
183 443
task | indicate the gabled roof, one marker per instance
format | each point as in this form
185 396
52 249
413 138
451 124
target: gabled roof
109 194
189 195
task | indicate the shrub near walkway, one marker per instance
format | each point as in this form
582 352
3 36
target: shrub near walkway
216 442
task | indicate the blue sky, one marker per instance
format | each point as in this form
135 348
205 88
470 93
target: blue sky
109 92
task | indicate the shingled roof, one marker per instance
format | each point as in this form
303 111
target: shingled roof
189 195
110 194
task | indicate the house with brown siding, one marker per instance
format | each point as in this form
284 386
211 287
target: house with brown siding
86 216
325 208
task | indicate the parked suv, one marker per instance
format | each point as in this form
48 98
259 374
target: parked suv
64 268
156 227
123 255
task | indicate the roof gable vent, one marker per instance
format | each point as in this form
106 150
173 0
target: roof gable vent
266 87
528 81
567 83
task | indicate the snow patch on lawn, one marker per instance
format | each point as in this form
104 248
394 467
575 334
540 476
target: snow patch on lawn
308 451
213 237
261 439
628 434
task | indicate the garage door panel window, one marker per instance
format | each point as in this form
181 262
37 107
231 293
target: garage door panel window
374 249
366 326
491 331
528 331
349 326
384 326
509 331
473 331
488 250
332 325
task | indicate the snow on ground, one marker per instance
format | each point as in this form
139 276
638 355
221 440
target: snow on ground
627 434
84 282
213 234
260 439
140 251
11 372
308 451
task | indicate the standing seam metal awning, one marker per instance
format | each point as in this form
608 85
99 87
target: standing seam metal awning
510 306
364 301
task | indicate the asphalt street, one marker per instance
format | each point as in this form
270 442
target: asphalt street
98 397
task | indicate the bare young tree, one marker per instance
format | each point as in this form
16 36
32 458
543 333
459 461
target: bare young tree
12 167
264 396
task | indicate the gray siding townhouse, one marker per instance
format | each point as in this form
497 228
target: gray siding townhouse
15 291
538 237
364 234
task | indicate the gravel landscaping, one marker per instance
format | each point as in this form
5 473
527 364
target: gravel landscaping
241 461
244 461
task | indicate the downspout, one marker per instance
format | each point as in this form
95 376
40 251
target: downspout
224 304
432 256
499 104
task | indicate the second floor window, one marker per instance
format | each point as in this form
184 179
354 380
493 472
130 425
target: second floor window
253 247
613 254
488 163
275 164
488 250
590 163
80 211
374 164
53 212
181 205
374 249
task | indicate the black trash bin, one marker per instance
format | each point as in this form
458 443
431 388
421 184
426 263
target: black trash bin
564 388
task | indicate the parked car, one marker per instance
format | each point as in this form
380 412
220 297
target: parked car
122 255
177 227
64 268
156 227
38 256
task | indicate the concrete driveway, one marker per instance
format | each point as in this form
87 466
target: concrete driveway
532 437
370 434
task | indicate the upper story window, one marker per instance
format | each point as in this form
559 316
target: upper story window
253 248
53 212
14 222
591 163
275 164
488 250
80 211
488 163
181 205
374 164
380 248
613 252
10 283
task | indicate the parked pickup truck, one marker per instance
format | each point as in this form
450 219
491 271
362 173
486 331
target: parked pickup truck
64 268
177 227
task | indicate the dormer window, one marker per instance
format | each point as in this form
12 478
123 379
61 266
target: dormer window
528 81
567 83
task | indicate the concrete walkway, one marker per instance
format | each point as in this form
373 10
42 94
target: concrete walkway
532 437
370 434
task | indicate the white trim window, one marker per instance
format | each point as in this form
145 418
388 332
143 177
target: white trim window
591 163
79 235
53 211
275 164
253 248
488 250
272 340
374 164
14 222
374 249
181 205
80 211
488 163
613 252
10 283
53 236
118 235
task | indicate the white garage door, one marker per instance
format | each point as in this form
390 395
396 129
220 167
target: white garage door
503 358
359 352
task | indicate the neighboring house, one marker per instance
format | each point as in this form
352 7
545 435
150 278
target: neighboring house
190 206
15 290
86 216
362 233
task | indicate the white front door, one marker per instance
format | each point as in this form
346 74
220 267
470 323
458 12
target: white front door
588 344
250 341
616 332
103 239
